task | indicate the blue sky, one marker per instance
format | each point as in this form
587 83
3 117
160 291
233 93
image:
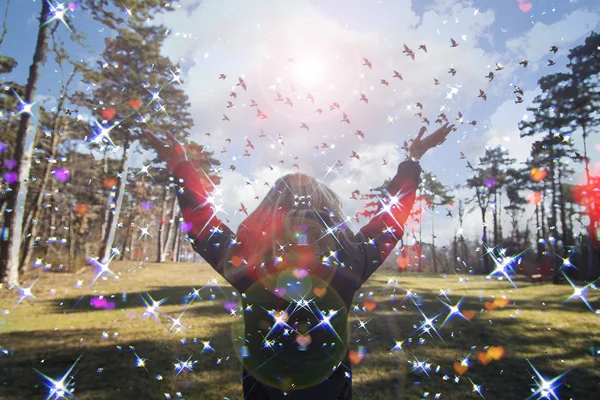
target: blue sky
254 38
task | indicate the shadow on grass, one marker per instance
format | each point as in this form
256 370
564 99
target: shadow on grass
107 369
209 300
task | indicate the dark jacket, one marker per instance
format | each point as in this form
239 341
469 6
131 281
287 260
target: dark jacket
275 357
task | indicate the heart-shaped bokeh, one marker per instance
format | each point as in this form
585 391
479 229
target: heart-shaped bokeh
319 291
10 164
300 273
355 357
62 174
369 305
279 292
11 177
303 340
230 305
483 357
109 113
460 368
185 226
538 174
135 103
525 7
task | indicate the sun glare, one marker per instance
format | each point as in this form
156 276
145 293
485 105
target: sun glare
309 70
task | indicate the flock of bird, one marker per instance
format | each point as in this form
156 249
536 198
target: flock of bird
441 119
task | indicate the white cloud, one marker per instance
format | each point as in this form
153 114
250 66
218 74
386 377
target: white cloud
255 39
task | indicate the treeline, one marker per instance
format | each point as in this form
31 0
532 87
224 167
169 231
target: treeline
567 109
72 195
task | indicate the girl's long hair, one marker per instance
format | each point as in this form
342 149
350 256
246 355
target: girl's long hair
297 211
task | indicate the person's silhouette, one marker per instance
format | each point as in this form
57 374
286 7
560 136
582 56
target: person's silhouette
296 265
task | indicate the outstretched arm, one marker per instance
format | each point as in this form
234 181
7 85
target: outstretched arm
379 237
208 236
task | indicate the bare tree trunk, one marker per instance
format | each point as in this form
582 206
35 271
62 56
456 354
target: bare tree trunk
420 268
433 238
160 236
9 251
112 228
169 245
110 201
495 219
486 262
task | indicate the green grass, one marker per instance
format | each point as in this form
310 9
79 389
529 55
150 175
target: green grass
52 331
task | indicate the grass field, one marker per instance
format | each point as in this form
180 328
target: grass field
49 333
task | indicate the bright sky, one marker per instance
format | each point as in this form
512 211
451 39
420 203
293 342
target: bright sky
328 40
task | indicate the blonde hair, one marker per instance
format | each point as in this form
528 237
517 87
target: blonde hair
295 202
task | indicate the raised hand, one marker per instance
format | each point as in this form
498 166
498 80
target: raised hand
420 145
169 150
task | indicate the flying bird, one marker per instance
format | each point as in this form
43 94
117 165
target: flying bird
397 75
230 104
345 119
360 133
436 82
232 167
490 76
470 166
384 162
279 97
249 144
222 76
409 52
233 94
482 95
226 118
207 134
499 67
473 123
291 60
448 213
551 63
419 105
519 100
241 83
310 97
319 110
524 63
262 134
384 82
355 155
333 106
364 98
304 126
253 103
452 71
228 140
367 63
454 44
518 90
289 102
462 156
554 49
423 47
243 209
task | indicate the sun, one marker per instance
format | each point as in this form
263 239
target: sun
309 70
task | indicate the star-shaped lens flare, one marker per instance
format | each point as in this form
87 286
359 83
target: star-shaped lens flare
24 108
453 310
58 12
504 265
152 306
60 389
187 365
26 292
545 389
580 291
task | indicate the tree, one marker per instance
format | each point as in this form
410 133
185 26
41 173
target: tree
435 194
13 221
134 85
